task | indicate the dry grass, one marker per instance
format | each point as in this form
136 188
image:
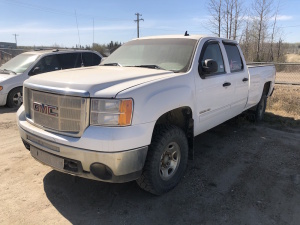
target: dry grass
292 58
284 106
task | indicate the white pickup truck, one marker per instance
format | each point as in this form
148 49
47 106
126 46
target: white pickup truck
135 116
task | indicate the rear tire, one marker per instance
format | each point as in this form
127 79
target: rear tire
166 160
15 98
261 108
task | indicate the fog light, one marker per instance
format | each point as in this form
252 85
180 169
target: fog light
101 171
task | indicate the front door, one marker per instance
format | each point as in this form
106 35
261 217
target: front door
214 93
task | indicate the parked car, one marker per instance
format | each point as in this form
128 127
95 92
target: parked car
18 69
136 115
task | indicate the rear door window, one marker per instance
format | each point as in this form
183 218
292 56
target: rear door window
234 57
69 60
90 59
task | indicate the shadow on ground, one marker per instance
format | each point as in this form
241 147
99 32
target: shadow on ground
5 109
239 175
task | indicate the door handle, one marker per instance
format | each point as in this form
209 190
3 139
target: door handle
245 79
226 84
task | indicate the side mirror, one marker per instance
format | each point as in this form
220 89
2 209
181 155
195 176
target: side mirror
36 70
209 66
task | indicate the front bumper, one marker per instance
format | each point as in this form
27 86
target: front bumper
65 154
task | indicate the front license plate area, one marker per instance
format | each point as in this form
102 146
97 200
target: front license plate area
47 158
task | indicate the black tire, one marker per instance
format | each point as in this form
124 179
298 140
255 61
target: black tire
15 98
169 145
261 108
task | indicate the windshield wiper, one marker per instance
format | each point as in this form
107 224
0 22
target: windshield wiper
111 64
151 67
8 71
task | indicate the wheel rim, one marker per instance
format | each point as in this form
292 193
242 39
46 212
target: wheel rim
18 99
169 161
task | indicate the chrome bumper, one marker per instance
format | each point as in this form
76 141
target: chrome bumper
114 167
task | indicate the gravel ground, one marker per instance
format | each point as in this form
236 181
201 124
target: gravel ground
242 174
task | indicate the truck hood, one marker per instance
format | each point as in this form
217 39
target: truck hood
99 81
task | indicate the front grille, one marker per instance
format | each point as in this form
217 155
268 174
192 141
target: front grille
58 113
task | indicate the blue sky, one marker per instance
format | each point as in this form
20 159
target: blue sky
54 22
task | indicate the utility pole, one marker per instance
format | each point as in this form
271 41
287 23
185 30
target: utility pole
138 19
16 38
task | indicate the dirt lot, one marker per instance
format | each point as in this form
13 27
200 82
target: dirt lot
243 173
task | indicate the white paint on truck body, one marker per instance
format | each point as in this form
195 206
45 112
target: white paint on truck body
154 92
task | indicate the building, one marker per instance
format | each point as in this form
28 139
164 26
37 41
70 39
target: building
8 45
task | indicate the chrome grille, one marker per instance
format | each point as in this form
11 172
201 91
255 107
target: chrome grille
69 118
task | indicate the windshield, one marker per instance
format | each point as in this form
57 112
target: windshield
169 53
20 63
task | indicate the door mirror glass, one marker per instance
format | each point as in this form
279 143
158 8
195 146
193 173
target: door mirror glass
209 66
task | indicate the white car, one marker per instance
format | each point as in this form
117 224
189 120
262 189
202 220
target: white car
136 115
18 69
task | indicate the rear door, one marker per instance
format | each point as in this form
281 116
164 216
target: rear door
214 93
238 76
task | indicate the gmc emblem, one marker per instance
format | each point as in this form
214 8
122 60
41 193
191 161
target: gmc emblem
46 109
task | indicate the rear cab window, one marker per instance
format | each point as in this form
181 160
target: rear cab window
234 57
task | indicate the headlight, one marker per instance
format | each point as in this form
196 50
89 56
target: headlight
111 112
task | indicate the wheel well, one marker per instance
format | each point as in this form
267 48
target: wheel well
183 118
266 89
15 88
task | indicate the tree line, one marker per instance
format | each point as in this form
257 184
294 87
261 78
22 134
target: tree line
254 27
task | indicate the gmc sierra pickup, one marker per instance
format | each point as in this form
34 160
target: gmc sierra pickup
135 116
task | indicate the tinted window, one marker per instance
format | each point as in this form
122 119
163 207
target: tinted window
20 63
69 60
90 59
234 58
48 63
213 51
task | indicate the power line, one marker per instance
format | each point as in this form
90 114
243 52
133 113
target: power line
138 19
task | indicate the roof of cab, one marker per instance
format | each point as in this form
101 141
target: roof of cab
55 51
195 37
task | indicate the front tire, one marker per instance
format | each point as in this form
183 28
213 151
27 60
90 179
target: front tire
166 160
15 98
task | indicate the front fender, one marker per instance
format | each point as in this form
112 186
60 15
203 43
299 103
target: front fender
151 100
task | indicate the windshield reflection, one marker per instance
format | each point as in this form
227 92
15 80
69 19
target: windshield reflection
19 64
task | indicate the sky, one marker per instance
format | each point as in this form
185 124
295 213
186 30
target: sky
47 23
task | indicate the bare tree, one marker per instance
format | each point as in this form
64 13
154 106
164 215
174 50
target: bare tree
261 16
238 17
271 54
214 7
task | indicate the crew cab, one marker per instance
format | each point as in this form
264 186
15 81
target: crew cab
18 69
135 116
